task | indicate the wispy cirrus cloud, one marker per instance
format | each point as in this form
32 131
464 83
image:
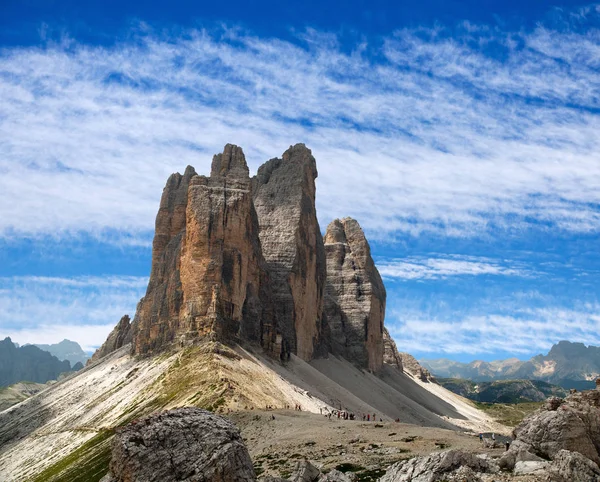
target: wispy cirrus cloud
427 268
447 130
35 309
520 331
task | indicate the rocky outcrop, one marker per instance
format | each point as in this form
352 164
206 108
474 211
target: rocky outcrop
208 277
412 366
355 296
185 444
284 198
572 424
446 466
120 336
391 356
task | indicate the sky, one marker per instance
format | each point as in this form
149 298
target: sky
463 136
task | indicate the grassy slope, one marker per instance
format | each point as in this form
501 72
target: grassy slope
509 414
195 379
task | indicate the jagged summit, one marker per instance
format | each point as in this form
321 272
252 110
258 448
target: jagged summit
231 163
237 258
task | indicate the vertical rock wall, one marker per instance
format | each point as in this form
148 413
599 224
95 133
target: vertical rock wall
284 198
238 258
355 296
208 276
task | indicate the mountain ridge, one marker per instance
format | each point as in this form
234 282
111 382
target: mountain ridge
567 364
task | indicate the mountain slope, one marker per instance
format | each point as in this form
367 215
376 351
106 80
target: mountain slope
79 415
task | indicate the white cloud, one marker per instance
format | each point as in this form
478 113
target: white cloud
427 133
84 309
523 331
412 268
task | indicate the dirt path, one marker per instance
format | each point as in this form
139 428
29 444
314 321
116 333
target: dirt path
276 445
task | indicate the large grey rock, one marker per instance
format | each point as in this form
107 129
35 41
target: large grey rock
437 467
526 467
355 296
572 466
572 425
335 476
284 198
305 472
185 445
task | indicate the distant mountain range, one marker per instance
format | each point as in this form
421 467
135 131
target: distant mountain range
569 365
66 350
29 363
503 391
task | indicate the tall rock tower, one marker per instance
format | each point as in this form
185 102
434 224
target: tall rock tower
284 198
355 296
208 275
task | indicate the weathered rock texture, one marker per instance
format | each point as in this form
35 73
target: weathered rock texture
284 198
572 425
412 366
391 356
208 276
121 335
236 258
185 444
355 295
442 466
157 317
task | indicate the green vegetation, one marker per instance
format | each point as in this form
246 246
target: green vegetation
89 463
510 414
503 391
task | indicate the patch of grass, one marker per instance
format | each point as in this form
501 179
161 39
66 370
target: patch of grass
88 463
509 414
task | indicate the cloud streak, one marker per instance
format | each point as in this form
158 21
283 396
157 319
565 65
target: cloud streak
427 130
36 309
414 268
523 331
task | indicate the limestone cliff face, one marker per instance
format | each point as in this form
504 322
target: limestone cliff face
208 276
157 314
121 335
391 356
355 296
284 198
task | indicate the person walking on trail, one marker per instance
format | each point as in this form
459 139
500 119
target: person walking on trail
494 437
480 437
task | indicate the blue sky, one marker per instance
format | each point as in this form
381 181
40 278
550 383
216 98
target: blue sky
463 136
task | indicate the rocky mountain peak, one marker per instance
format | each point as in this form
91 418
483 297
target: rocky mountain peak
231 163
238 259
355 295
284 198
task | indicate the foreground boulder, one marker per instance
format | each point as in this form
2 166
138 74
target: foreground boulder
450 465
572 424
185 445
